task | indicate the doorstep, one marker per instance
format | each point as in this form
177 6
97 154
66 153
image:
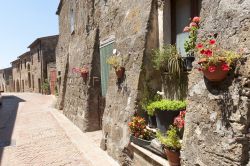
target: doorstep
146 157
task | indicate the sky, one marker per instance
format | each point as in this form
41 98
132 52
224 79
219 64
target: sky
23 21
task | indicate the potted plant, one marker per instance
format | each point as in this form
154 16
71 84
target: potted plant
165 111
179 122
171 145
45 86
116 62
84 71
168 59
190 43
214 61
140 135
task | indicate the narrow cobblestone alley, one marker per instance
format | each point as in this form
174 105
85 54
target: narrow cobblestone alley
33 133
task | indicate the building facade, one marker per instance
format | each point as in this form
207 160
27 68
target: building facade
16 74
6 80
42 52
89 33
25 72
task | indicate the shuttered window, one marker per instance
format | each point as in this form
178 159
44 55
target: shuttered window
106 50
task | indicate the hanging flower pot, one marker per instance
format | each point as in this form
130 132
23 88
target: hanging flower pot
215 73
215 62
84 74
120 72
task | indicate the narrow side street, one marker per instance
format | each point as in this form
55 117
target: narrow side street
33 133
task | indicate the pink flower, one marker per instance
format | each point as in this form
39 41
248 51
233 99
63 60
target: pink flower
225 67
212 41
196 19
186 29
193 24
211 69
199 45
209 53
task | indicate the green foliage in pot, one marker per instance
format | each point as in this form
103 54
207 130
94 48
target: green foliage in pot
168 59
172 140
115 61
166 105
45 85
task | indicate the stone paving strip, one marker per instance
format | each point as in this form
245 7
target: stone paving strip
45 137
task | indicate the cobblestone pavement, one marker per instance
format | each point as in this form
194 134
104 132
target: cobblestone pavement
39 135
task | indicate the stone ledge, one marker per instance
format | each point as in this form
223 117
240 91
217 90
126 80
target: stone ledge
148 156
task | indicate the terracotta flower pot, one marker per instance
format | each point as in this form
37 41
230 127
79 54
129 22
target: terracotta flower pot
216 76
120 72
173 157
84 74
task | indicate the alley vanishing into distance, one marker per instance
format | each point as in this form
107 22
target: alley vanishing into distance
33 133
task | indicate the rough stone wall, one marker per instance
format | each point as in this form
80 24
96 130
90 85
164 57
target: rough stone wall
25 58
16 75
48 47
2 81
135 28
35 67
8 79
62 51
79 97
95 21
45 47
218 116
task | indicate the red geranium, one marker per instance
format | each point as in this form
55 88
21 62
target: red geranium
211 69
199 45
208 53
212 41
179 121
225 67
196 19
193 24
186 29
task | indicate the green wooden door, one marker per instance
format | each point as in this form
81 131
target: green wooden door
105 52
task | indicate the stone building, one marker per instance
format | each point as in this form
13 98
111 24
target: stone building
16 74
25 72
90 30
6 80
42 52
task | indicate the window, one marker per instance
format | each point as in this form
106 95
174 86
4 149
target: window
182 11
21 64
31 60
72 21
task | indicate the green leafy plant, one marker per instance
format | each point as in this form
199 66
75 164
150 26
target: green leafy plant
193 28
45 86
171 140
166 105
115 61
167 58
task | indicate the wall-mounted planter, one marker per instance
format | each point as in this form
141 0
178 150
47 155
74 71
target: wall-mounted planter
217 75
120 72
84 74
